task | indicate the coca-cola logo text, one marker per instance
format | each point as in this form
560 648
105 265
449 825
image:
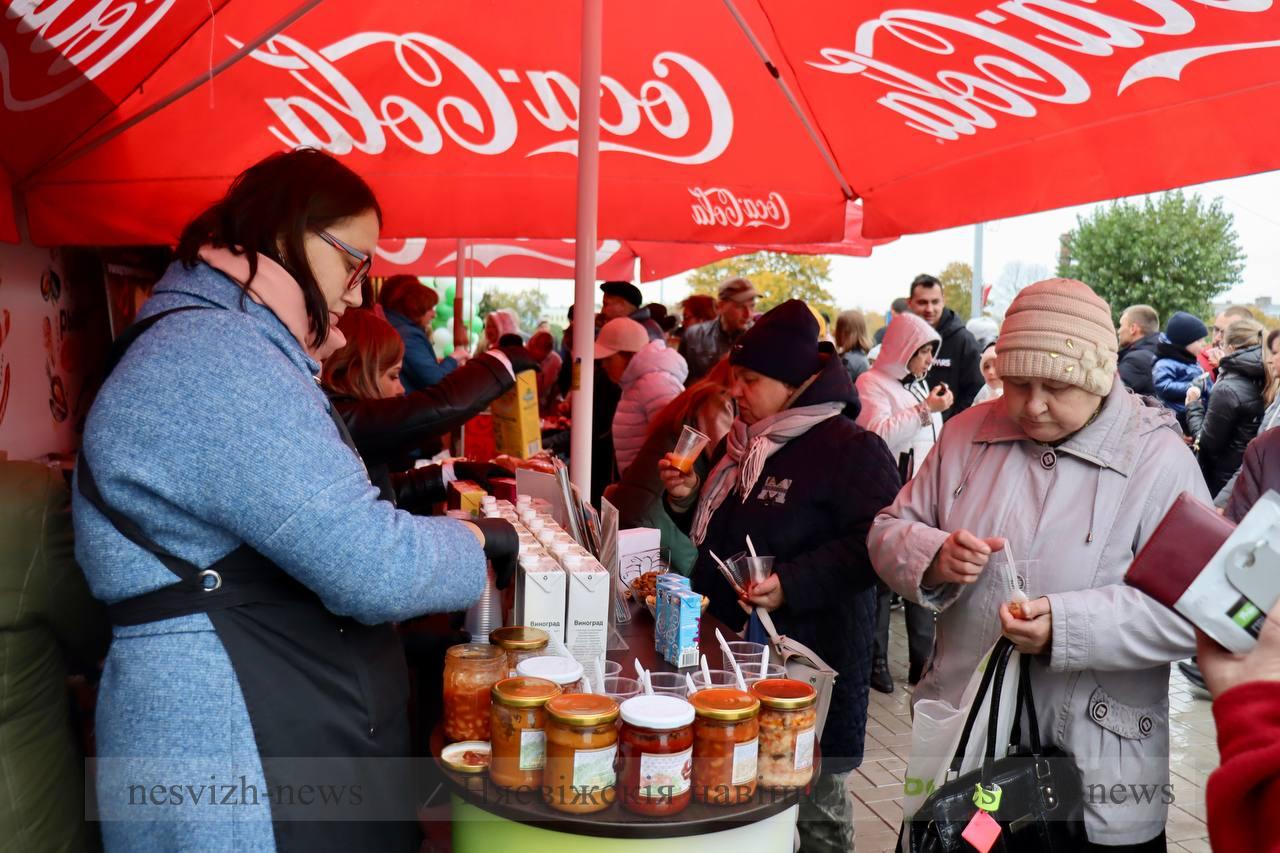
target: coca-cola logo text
82 44
720 207
478 114
1014 74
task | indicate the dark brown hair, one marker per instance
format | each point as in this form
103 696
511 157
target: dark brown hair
269 209
373 346
406 295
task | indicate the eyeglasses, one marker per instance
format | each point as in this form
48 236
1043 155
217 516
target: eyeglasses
361 273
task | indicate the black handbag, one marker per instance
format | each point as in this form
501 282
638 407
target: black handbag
1040 801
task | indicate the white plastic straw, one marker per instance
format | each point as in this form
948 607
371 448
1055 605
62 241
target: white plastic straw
737 671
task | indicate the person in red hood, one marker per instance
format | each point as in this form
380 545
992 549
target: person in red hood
1243 794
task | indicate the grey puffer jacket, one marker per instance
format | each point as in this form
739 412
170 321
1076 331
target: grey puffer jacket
1078 513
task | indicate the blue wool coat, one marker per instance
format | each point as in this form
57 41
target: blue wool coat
213 432
421 368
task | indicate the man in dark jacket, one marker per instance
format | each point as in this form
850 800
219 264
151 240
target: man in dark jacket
1139 333
958 363
623 299
820 482
898 306
706 343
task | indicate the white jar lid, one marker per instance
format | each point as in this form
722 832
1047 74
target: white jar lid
553 668
657 712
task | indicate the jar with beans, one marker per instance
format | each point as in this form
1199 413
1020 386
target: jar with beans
582 746
470 671
725 745
788 730
518 731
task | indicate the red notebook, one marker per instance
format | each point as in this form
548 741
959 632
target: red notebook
1186 539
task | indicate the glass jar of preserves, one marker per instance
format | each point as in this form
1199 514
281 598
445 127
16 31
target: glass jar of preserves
565 672
655 755
582 746
725 744
519 643
788 729
470 671
518 736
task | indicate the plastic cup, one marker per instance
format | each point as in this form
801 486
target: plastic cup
687 449
612 669
620 689
719 678
753 672
758 569
669 684
744 652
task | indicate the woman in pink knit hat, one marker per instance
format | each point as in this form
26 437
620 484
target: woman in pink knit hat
1073 473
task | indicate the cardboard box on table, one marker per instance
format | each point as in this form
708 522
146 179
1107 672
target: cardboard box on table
587 620
517 427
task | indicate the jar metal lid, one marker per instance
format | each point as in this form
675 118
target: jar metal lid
725 703
582 709
784 694
521 692
656 712
520 638
554 668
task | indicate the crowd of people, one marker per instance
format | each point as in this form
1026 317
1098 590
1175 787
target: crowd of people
252 541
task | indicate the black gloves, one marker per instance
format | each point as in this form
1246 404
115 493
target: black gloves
521 359
501 548
480 473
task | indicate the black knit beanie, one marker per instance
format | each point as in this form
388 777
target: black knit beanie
783 344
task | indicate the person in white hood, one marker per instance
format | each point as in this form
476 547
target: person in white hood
899 406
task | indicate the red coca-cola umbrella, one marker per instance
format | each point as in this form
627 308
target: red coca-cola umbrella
615 259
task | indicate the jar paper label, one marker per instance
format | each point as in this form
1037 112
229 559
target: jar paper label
744 761
804 749
593 769
663 777
533 749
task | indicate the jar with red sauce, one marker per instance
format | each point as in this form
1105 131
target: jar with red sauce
470 671
725 746
655 755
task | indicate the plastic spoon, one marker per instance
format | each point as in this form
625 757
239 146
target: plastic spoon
751 547
706 670
737 671
1017 596
643 678
688 681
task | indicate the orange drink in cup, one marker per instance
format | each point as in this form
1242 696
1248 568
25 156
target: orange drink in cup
687 449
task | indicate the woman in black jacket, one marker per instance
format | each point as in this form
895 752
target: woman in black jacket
363 382
1235 404
797 474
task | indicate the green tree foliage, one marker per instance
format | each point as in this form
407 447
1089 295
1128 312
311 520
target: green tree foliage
957 288
776 277
530 306
1173 252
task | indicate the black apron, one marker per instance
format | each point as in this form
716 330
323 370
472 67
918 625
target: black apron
316 685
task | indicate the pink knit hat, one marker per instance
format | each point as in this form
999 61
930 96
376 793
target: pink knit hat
1061 331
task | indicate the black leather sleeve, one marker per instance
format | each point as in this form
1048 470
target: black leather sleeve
383 429
417 489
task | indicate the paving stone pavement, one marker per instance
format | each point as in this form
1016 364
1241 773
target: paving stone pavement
877 785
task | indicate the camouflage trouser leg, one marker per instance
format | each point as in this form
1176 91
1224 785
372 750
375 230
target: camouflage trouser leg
826 816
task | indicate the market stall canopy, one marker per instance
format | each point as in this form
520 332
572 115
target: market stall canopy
740 122
615 259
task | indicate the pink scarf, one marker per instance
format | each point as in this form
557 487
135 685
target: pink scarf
279 292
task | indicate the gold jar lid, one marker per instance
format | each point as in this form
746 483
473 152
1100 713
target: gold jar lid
784 694
582 709
726 704
520 638
522 692
475 652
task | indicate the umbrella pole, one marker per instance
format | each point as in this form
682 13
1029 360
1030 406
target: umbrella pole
459 284
585 249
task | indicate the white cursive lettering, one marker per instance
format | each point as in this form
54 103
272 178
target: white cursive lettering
718 206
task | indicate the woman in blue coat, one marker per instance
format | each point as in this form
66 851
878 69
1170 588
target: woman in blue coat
254 691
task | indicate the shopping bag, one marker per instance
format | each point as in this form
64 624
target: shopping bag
802 664
936 729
